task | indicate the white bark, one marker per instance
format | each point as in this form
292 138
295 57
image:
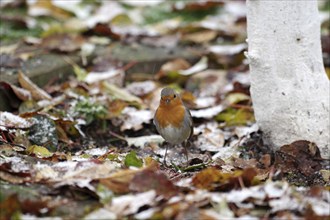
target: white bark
289 87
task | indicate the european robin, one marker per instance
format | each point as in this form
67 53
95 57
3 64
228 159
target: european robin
173 120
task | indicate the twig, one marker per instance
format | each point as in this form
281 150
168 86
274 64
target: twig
117 136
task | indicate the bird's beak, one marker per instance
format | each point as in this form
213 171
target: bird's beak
167 101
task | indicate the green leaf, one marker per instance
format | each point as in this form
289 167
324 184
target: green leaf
80 72
235 116
39 151
132 160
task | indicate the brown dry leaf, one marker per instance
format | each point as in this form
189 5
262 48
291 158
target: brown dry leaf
12 205
206 178
212 179
241 179
172 66
116 107
104 30
63 42
9 206
200 37
299 156
36 92
119 182
150 179
237 179
265 160
175 65
21 93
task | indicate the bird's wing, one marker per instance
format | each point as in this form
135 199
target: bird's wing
189 120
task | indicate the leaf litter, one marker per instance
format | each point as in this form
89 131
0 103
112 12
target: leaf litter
87 148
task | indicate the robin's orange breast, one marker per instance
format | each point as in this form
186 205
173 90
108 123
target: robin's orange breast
173 124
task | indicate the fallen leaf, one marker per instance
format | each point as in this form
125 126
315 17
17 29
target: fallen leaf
233 98
46 8
207 178
120 93
102 15
170 69
211 138
36 92
132 118
200 37
39 151
130 204
141 88
198 5
150 179
9 206
208 83
9 120
143 140
21 93
175 65
94 77
116 107
300 156
212 178
198 67
131 159
119 181
227 49
8 49
326 175
234 116
63 42
243 164
207 113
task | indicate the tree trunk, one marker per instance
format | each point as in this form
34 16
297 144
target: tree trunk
289 87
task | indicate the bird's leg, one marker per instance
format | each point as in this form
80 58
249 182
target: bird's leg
185 150
165 154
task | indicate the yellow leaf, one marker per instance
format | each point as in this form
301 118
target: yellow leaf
39 151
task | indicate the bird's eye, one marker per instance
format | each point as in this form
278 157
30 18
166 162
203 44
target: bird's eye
174 96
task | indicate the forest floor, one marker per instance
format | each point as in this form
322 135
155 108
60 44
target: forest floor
80 83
